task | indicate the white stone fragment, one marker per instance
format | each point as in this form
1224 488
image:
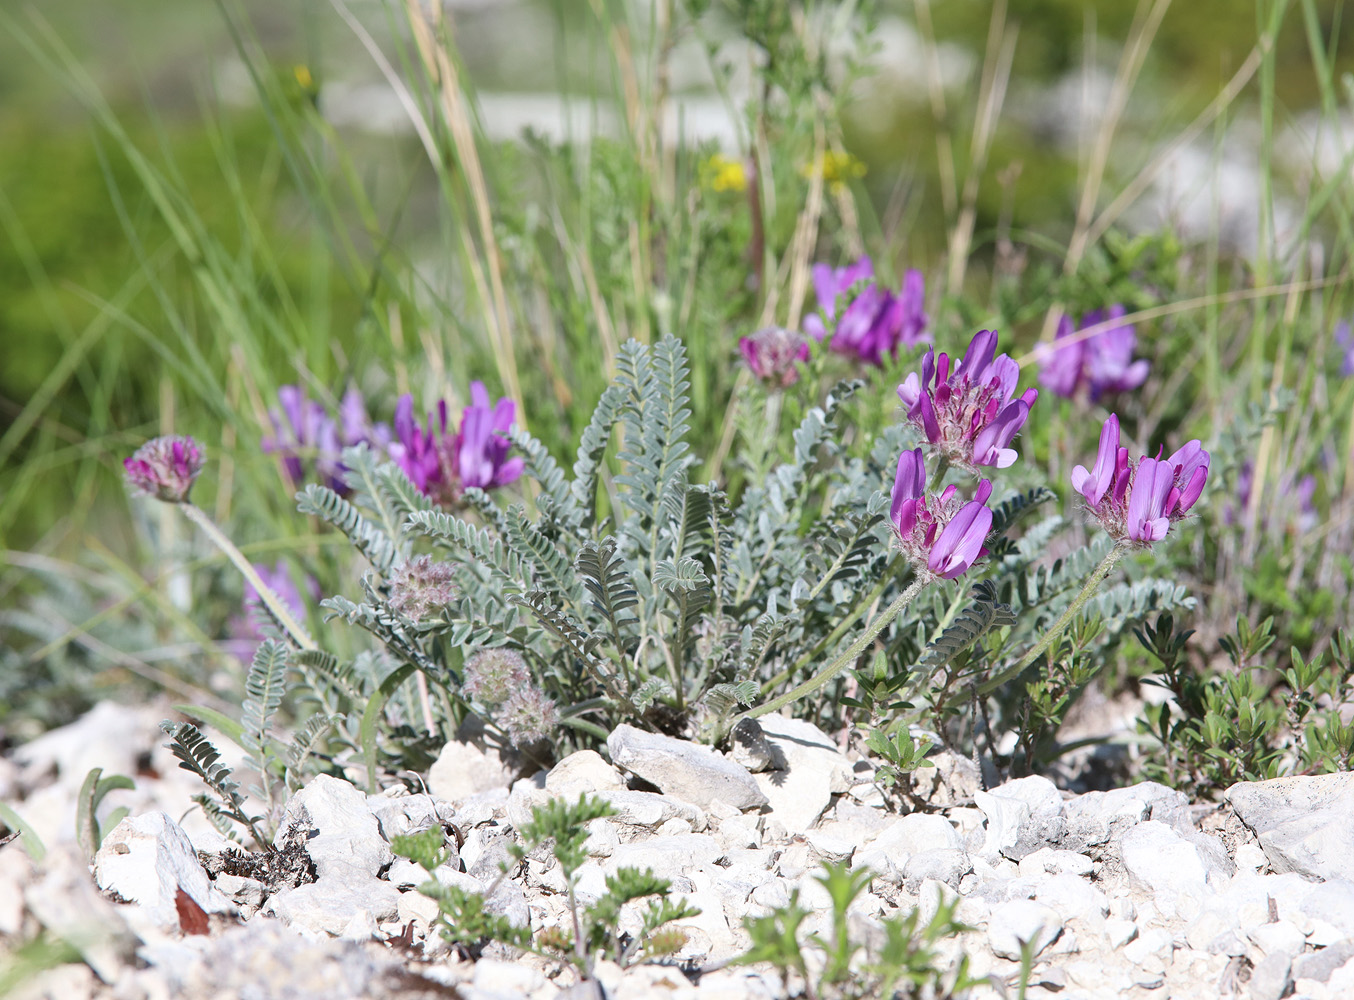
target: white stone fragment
1022 922
584 772
1304 823
1162 862
148 860
342 836
465 769
695 773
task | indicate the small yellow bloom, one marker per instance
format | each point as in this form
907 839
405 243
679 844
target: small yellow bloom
303 77
719 173
835 168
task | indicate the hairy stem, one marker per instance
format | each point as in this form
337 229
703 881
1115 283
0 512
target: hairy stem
845 659
276 606
1092 582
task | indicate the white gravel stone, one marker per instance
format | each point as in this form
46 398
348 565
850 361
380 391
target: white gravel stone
465 769
584 772
148 860
1278 938
1056 862
342 835
947 865
695 773
329 905
888 852
1020 922
1304 823
1332 902
1162 862
1150 948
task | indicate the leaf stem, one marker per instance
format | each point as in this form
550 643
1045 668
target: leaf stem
845 659
276 606
1065 619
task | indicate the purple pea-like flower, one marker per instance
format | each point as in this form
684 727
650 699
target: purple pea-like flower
876 322
165 467
1294 507
940 535
482 444
1139 501
773 354
970 414
1097 364
303 431
443 466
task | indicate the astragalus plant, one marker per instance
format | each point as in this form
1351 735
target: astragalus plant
870 582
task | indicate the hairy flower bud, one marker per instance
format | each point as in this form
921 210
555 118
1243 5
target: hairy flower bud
492 676
421 586
165 467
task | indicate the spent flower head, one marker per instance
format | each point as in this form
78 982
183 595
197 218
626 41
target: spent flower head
876 322
940 533
1096 364
968 411
420 586
1138 501
165 467
773 353
492 675
528 716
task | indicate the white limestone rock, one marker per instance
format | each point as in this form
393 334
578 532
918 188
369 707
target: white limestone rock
1304 823
697 774
148 860
341 834
1022 922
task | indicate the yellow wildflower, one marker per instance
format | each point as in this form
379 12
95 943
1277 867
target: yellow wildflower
303 77
719 173
836 168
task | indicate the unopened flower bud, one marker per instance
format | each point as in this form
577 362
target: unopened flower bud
165 467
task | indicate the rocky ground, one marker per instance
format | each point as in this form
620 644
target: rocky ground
1134 892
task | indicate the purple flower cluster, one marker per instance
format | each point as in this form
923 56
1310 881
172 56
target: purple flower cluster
1139 501
444 465
941 535
165 468
876 322
773 353
1096 364
303 431
969 412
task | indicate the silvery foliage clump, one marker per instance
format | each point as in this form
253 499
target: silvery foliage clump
635 594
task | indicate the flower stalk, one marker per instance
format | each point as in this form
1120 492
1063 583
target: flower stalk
845 659
1092 582
276 606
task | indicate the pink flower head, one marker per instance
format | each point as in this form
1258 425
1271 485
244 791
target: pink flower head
1099 364
773 354
1140 500
969 412
876 322
165 468
938 533
443 466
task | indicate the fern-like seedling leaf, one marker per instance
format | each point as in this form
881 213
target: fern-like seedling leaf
979 618
264 685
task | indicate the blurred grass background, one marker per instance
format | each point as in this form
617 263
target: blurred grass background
202 202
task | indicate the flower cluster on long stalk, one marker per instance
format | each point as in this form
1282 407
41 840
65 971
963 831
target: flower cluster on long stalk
444 465
969 411
1095 364
304 432
1138 500
877 322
